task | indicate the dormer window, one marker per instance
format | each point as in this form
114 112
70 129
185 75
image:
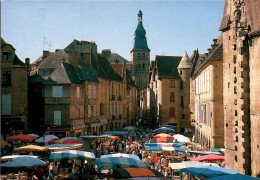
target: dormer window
7 55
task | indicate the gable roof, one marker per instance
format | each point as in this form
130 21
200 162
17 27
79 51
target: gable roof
167 66
116 58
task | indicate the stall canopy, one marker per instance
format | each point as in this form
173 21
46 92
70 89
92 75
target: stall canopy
21 137
8 158
94 137
31 148
121 155
204 152
116 133
24 162
163 135
181 138
64 141
210 157
46 138
62 147
234 177
187 164
178 144
208 171
163 148
121 173
129 128
164 129
159 144
71 154
119 162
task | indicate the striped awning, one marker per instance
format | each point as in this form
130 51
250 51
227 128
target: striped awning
119 162
72 154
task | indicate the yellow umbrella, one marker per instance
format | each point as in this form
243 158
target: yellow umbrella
31 148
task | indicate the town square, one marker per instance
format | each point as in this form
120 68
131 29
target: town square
130 89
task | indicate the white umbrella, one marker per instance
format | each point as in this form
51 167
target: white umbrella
33 135
8 158
181 138
24 162
132 156
187 164
46 139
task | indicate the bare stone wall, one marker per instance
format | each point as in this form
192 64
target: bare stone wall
254 63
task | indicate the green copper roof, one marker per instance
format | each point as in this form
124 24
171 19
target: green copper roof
140 42
167 66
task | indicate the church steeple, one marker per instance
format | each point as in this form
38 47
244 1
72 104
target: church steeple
140 43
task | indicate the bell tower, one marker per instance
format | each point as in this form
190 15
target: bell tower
140 54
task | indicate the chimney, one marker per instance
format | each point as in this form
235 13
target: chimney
45 54
73 59
209 51
215 41
27 62
206 54
107 54
213 46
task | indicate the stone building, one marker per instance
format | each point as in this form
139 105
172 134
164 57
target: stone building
168 91
241 55
140 55
208 96
14 91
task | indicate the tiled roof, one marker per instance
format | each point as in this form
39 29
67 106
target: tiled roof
54 59
88 74
118 68
39 79
79 46
116 58
167 66
185 62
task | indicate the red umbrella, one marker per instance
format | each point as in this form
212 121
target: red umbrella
52 141
210 157
163 140
114 137
71 141
21 137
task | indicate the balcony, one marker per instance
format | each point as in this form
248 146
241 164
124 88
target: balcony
54 100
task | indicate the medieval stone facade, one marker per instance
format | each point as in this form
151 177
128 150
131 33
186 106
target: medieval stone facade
241 54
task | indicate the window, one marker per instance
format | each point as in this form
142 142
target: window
181 85
89 110
143 66
56 91
180 72
89 91
139 65
143 56
6 77
171 112
138 56
78 92
182 101
102 108
94 92
117 108
183 116
94 110
7 55
172 98
172 83
6 104
57 118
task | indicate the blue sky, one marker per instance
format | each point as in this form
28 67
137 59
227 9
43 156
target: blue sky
171 26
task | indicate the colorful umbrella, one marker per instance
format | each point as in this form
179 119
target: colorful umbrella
164 129
161 140
63 147
204 152
187 164
116 133
46 138
24 162
31 148
163 135
159 144
33 135
4 143
71 154
114 137
208 171
121 155
210 157
21 137
163 148
122 173
128 128
119 162
8 158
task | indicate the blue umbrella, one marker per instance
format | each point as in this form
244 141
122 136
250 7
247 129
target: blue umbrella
116 133
71 154
159 144
119 162
23 162
178 144
163 148
234 177
169 126
208 171
164 129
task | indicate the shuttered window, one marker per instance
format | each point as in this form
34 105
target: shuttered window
94 92
78 92
94 110
89 91
89 110
171 112
6 104
57 118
